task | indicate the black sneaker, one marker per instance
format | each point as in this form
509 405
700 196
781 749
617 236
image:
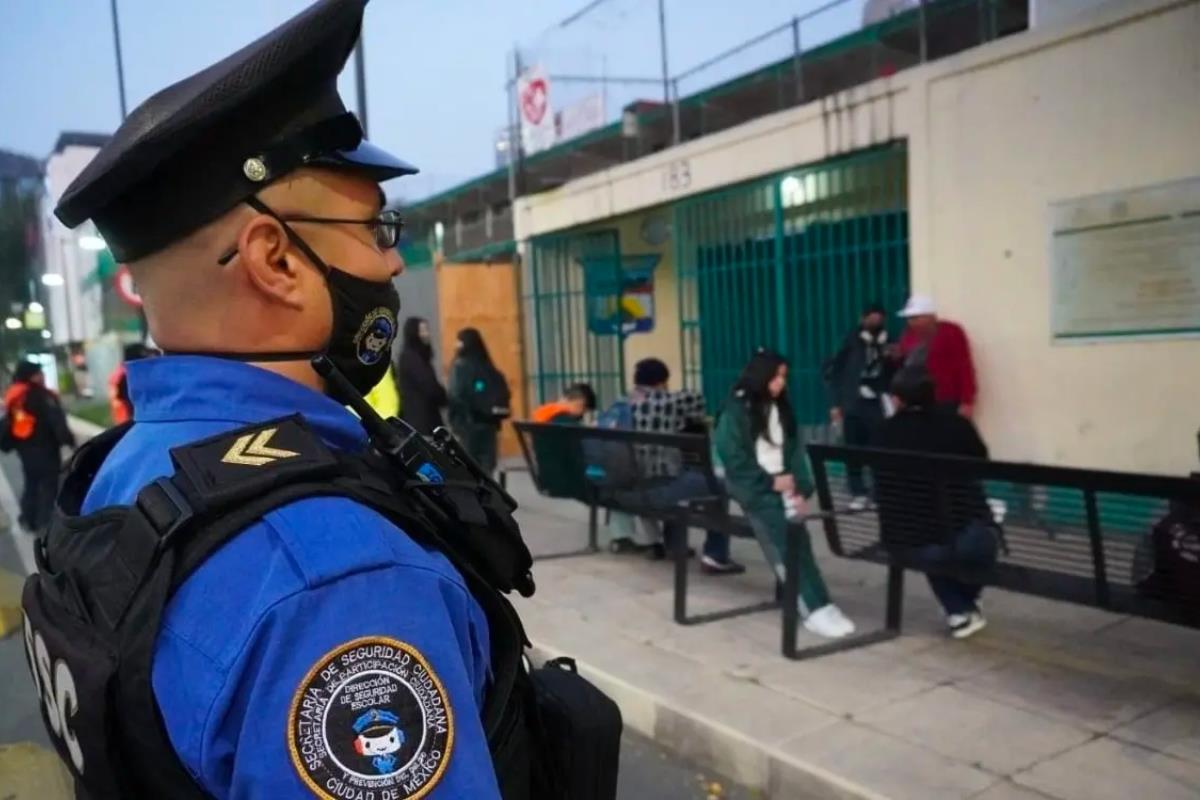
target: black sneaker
658 552
963 626
711 566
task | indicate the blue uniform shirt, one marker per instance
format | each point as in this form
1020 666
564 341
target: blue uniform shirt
321 652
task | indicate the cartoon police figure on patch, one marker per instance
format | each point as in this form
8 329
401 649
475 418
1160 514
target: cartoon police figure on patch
374 339
378 739
371 719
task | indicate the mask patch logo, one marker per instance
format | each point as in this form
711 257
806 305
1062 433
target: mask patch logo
371 719
373 341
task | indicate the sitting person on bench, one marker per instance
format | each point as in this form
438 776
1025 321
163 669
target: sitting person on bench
570 409
656 409
558 458
907 503
767 472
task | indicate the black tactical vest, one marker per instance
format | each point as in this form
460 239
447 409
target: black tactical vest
93 610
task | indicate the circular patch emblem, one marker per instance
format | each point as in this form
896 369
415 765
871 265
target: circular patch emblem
371 720
373 341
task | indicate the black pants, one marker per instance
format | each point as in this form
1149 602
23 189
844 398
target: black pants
975 547
861 424
40 467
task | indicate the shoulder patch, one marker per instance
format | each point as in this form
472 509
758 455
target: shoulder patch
371 720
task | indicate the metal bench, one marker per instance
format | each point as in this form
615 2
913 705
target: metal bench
1077 535
559 469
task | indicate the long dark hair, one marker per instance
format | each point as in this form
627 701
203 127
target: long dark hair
751 388
473 348
412 338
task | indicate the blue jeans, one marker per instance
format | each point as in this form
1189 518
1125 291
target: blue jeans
973 548
688 484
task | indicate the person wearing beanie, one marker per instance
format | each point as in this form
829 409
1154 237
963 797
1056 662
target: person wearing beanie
656 409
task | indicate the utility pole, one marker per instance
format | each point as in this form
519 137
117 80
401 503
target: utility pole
360 72
120 65
662 37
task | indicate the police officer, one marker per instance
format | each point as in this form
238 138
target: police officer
321 651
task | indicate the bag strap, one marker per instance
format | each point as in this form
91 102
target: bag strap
223 484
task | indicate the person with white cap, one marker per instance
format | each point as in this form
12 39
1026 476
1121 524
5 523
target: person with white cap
942 348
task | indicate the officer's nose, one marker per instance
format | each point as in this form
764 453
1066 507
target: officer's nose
395 261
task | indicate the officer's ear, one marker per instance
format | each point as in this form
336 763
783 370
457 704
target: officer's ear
270 264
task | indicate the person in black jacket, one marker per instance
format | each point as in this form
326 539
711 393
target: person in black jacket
422 396
857 377
38 431
966 537
479 397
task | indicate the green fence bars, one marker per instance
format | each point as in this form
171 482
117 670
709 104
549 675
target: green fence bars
571 283
789 261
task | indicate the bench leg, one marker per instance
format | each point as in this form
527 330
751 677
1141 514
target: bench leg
593 543
679 556
791 616
593 528
895 598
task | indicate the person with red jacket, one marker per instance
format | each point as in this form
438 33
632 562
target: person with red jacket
942 348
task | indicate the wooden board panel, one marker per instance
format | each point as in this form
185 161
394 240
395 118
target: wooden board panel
484 296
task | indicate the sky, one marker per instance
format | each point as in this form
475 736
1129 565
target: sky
436 70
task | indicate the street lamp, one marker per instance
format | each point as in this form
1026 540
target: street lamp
93 243
13 324
52 279
36 307
46 334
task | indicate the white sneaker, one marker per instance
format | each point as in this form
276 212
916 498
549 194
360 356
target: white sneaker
846 623
824 622
858 503
974 623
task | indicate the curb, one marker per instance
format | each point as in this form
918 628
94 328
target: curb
708 742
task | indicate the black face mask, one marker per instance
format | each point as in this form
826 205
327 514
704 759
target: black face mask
364 327
364 320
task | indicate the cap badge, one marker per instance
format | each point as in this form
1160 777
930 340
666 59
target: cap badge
255 169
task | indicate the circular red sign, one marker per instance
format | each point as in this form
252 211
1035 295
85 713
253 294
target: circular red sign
125 288
533 100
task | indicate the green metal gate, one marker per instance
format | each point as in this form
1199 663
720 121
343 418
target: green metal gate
571 287
789 262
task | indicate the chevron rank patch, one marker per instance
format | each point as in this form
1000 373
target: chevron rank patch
370 720
264 453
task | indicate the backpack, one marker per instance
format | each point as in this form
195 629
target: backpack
612 463
491 400
94 607
18 425
1166 564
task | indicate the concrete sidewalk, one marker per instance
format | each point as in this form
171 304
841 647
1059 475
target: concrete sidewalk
1051 701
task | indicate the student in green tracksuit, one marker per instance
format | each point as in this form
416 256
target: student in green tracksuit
766 471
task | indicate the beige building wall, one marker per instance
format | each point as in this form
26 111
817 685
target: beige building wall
1103 101
1095 108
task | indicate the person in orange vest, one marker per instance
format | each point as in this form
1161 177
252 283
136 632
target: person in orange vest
35 426
120 407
